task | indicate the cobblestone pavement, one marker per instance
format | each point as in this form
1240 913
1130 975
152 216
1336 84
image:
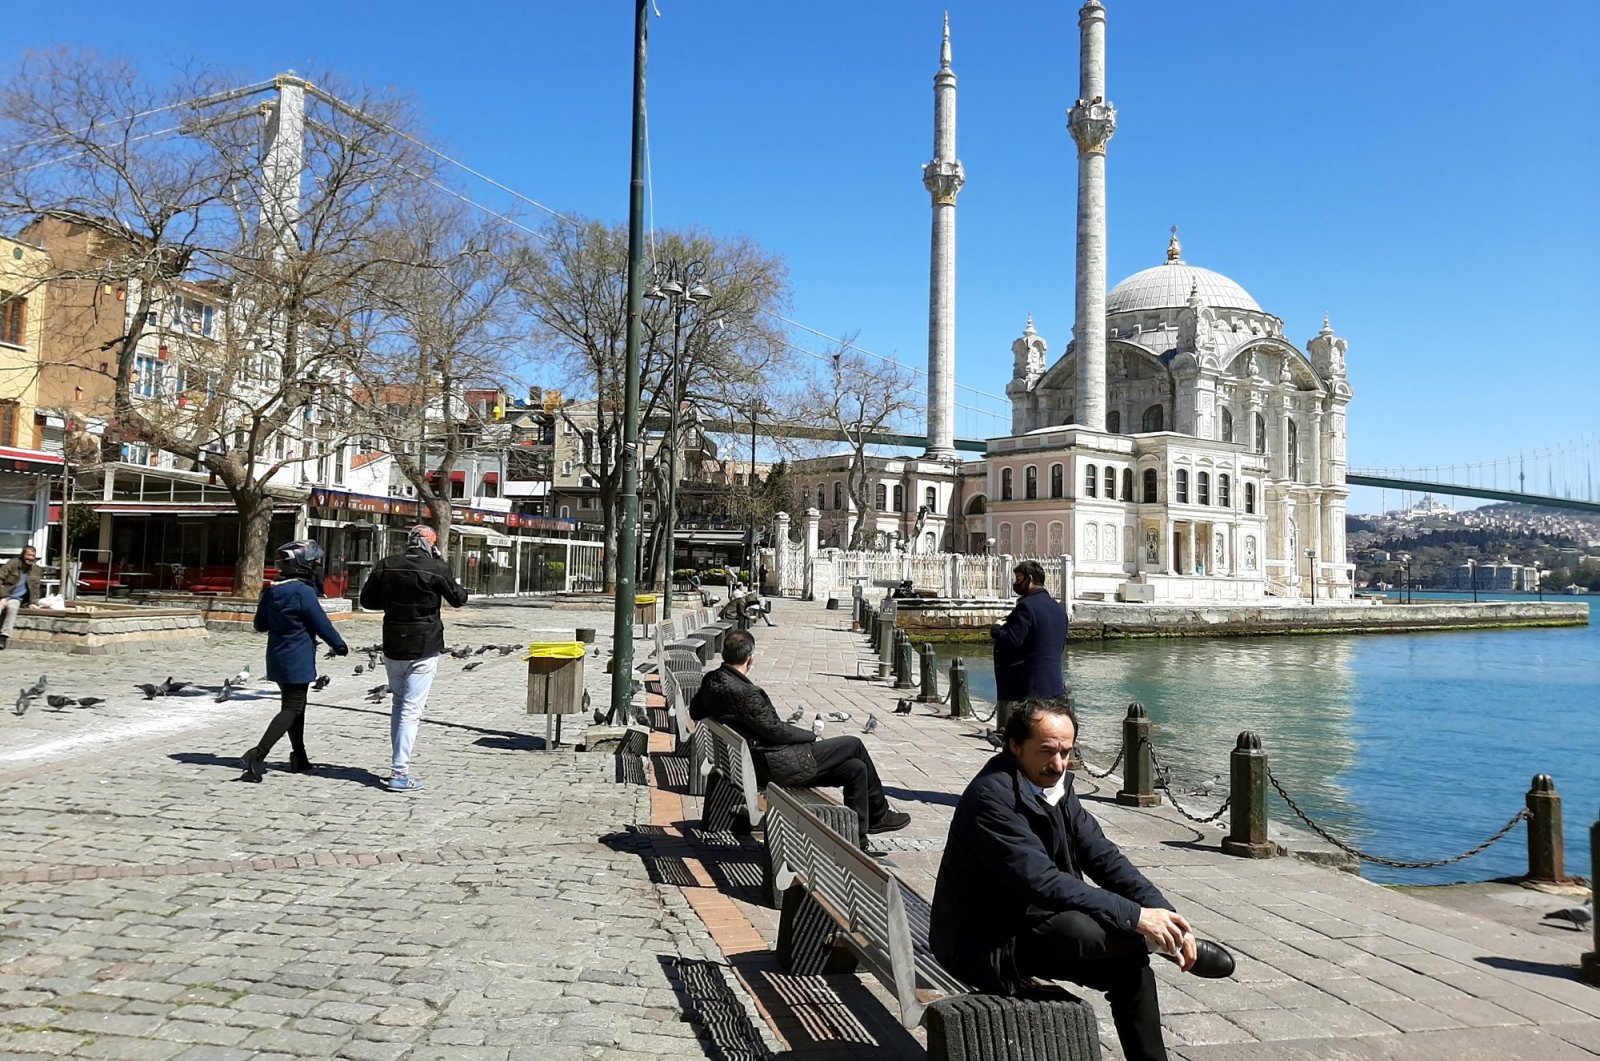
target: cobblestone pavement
152 906
525 905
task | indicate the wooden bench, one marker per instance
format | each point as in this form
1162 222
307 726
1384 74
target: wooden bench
842 909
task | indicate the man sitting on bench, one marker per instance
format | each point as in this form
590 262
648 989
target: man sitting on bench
788 755
1011 903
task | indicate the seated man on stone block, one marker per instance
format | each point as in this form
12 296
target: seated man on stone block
1011 902
789 755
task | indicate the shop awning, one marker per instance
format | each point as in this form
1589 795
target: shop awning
458 477
491 477
35 461
178 508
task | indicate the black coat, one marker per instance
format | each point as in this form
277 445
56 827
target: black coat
409 589
782 753
1028 648
1011 859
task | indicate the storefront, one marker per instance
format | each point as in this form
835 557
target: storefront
25 480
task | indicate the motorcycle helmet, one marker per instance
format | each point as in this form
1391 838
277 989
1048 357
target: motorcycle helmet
301 559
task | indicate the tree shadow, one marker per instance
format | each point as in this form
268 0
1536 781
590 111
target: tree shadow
1521 965
358 775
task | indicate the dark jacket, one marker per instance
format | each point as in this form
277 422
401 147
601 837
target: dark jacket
11 573
1028 647
409 589
782 752
1010 859
292 618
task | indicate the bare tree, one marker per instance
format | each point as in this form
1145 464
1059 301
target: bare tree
188 212
861 396
575 286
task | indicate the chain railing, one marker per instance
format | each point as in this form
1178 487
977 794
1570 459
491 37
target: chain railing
1393 863
1164 783
1092 772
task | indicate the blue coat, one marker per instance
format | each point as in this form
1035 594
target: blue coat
1028 648
291 617
1010 860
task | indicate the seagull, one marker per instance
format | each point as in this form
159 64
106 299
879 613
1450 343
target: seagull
474 663
58 702
1204 788
1580 916
150 691
39 686
321 683
795 718
903 707
90 701
872 724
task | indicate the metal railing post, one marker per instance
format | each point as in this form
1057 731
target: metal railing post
960 702
1138 774
1546 850
902 660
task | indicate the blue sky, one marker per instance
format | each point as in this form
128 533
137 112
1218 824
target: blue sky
1430 182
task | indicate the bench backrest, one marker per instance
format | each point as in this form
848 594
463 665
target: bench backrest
680 680
730 756
868 902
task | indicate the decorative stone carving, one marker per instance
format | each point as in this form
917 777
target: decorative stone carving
943 180
1152 547
1196 322
1327 352
1092 123
1029 353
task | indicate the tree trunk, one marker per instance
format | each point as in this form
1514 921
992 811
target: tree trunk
255 523
439 517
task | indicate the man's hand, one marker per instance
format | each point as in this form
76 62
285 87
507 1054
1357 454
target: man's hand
1168 932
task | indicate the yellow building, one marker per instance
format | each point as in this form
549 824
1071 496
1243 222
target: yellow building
26 474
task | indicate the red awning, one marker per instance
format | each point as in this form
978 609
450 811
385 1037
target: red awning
13 459
458 477
491 477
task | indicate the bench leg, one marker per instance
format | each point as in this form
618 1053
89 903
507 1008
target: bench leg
805 937
723 807
1046 1024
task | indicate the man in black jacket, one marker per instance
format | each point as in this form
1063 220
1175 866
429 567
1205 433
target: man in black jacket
789 755
409 589
1011 902
18 588
1029 645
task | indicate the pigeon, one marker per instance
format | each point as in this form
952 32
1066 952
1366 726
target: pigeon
330 654
474 663
1580 916
321 683
226 691
360 670
171 686
1164 777
379 690
23 702
462 653
506 650
242 678
872 724
839 716
58 702
903 707
797 716
372 660
995 740
1204 788
151 691
482 649
599 718
91 701
39 686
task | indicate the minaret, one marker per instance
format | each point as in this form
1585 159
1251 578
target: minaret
1092 122
943 177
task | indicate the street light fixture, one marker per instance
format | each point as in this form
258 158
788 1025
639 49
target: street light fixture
1472 577
1538 579
1405 582
672 289
1311 570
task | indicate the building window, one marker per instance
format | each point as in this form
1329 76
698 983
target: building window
146 376
13 318
899 498
566 512
1091 480
880 498
1202 488
1227 425
930 497
1223 491
1055 480
1180 489
1030 483
1114 422
338 466
1111 483
566 467
822 498
1250 497
1005 484
1261 433
1127 484
1293 470
458 488
1153 419
8 423
838 495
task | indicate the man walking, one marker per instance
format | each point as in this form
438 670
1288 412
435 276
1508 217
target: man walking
1029 645
789 755
17 589
409 589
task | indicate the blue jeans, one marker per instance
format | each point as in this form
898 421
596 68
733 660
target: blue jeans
410 680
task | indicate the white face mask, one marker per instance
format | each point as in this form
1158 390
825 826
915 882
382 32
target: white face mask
1053 794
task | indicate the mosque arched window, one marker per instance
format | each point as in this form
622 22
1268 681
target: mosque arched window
1111 483
1152 419
1202 488
1250 497
1030 483
1227 425
1005 484
880 498
1261 433
1151 487
822 498
1055 480
1180 487
1223 485
930 497
838 495
1091 480
899 498
1114 422
1292 436
1127 484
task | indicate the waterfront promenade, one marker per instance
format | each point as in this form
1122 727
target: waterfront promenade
525 905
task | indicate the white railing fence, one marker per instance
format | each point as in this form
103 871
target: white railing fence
943 574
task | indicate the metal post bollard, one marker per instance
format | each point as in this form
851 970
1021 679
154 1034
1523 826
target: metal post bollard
1546 850
1138 776
855 614
960 702
1589 969
1247 787
886 633
929 674
902 660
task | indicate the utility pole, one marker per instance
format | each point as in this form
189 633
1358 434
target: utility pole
628 533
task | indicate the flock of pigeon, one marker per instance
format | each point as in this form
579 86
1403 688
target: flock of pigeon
57 702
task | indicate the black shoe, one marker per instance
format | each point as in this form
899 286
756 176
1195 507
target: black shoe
4 641
1212 961
254 768
300 764
892 821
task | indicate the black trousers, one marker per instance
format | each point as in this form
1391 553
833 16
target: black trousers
844 761
290 719
1074 946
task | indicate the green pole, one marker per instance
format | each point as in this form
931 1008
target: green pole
628 533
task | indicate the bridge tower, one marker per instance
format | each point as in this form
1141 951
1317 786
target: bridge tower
943 177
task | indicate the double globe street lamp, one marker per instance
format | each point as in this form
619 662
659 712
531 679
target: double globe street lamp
682 287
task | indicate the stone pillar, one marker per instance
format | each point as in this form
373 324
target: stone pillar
1069 574
813 518
1193 555
943 177
1092 122
780 551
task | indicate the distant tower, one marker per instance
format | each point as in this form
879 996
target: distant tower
1092 122
943 177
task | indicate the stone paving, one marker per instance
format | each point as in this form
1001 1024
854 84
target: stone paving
525 905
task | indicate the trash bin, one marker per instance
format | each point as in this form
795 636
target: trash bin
644 610
555 684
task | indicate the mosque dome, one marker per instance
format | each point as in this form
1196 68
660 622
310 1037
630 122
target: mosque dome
1167 286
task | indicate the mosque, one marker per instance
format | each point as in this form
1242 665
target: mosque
1180 450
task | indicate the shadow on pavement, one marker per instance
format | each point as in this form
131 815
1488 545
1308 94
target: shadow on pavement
917 795
1519 965
359 775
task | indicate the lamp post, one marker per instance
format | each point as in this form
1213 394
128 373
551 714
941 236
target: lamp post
679 287
1311 572
750 532
1405 579
1538 580
1472 577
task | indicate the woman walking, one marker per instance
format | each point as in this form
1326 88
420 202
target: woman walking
289 614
